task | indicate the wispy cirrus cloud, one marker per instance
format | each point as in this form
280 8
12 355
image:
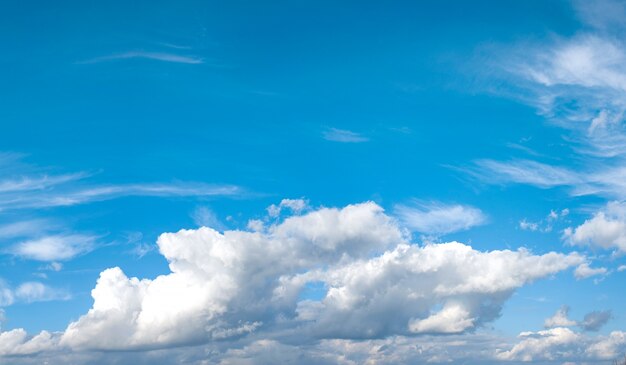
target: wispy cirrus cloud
343 136
577 83
25 186
156 56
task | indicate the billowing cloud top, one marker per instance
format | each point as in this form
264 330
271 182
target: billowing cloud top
225 286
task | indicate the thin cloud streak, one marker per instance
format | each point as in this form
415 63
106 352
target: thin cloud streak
75 195
157 56
343 136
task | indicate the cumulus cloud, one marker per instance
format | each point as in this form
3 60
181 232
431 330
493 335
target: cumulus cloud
236 283
584 271
241 284
609 347
605 230
552 344
593 321
560 319
18 342
439 218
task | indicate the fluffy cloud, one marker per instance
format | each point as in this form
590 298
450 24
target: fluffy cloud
239 294
551 344
438 218
609 347
584 271
236 283
564 344
606 229
225 285
592 321
17 342
560 319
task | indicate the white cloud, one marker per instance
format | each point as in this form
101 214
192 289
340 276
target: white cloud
37 292
30 183
237 284
25 187
26 228
560 319
577 83
17 342
205 217
344 136
609 347
552 344
584 271
439 218
452 318
605 230
54 248
528 226
157 56
621 268
6 295
216 278
592 321
296 206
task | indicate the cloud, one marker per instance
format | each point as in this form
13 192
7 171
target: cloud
29 292
605 230
343 136
296 206
55 247
560 319
17 342
236 295
584 271
205 217
609 347
33 291
23 186
237 284
545 225
157 56
70 194
439 218
593 321
577 83
26 228
552 344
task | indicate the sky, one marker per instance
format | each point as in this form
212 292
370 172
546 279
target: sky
312 182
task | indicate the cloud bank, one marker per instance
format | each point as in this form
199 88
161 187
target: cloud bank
242 287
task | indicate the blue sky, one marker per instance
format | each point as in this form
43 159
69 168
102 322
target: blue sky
312 138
